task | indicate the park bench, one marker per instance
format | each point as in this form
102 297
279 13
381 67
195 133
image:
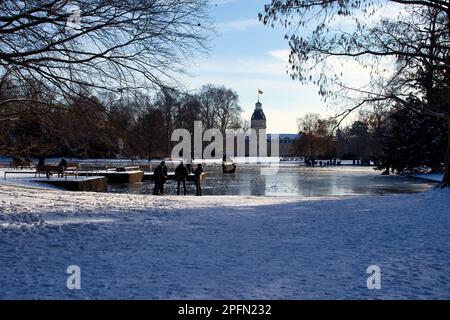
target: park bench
21 163
49 169
71 168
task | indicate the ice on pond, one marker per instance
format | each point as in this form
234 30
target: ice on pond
291 180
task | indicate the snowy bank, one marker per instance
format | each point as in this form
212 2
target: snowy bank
147 247
434 176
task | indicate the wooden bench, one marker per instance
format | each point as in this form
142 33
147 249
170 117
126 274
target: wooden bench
49 169
71 168
21 163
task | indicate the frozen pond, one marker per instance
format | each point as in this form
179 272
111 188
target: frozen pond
229 247
292 180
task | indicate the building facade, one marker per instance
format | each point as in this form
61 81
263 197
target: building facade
287 142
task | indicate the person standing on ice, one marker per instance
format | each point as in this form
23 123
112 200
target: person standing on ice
198 175
62 167
181 173
159 176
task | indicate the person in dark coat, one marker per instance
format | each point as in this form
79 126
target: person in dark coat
42 167
41 164
181 173
62 166
198 174
160 176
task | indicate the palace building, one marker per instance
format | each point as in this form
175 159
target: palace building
287 141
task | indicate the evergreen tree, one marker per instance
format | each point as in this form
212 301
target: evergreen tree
412 139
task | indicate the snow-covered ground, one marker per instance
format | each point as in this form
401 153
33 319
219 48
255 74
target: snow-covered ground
28 178
147 247
434 176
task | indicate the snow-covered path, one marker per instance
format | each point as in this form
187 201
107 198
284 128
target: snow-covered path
145 247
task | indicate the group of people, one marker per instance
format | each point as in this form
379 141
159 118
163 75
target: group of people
60 168
311 162
181 174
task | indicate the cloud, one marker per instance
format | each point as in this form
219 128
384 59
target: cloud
282 55
221 2
283 100
238 25
390 11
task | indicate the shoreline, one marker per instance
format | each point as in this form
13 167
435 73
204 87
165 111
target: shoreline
433 177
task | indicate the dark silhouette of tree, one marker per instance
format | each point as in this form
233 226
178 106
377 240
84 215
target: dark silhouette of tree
62 63
316 136
106 44
418 42
87 124
412 139
220 108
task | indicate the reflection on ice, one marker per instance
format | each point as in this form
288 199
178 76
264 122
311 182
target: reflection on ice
293 180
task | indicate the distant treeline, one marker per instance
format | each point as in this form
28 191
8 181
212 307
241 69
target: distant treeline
399 138
35 123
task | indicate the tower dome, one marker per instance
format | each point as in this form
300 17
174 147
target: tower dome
258 120
258 114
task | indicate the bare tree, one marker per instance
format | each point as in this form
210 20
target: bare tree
418 42
106 44
228 109
316 135
307 128
220 107
208 110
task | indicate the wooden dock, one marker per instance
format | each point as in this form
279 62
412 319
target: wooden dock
98 180
117 176
93 184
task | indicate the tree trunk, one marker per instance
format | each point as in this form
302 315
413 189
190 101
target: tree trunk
446 179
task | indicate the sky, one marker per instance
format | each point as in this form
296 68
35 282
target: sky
246 55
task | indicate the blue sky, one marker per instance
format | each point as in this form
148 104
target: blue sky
246 55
